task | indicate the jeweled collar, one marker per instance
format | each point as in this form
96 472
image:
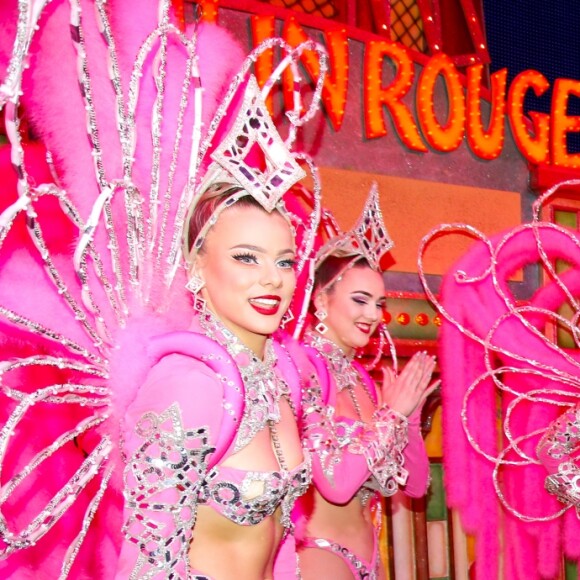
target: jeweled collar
340 364
263 387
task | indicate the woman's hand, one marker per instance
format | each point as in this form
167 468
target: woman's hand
408 390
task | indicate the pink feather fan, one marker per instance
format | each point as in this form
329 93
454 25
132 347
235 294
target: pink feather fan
78 302
505 379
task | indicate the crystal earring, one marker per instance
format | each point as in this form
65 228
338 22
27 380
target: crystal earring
288 317
194 285
321 315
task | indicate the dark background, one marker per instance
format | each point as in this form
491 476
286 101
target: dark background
539 35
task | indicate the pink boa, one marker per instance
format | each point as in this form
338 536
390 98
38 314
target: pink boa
60 122
475 305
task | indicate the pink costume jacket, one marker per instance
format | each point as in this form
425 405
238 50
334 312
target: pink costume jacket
191 412
347 455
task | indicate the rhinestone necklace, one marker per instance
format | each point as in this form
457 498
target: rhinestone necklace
341 367
263 387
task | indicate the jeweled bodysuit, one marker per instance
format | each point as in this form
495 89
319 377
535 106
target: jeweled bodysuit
353 458
172 439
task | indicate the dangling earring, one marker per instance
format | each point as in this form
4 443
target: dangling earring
288 317
194 285
321 315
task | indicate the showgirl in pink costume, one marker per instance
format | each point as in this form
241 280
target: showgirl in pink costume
510 397
243 277
146 434
366 443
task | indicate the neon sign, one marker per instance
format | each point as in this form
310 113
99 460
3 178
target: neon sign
540 137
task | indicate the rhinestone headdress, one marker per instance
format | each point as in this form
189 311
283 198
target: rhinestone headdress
368 240
254 138
230 166
254 126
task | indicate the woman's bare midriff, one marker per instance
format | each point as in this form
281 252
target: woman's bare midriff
350 525
224 550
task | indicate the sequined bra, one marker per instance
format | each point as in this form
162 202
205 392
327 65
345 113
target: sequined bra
248 497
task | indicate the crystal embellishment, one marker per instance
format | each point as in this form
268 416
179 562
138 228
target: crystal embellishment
368 239
263 386
254 129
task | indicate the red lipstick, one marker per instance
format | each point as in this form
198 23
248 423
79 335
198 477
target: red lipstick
267 305
365 328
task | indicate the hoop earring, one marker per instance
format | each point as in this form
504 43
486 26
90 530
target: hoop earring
321 315
194 285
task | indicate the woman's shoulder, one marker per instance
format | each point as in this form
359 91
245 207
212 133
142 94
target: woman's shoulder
177 366
180 381
188 370
199 391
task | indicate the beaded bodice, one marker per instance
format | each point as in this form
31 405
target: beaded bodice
380 440
229 491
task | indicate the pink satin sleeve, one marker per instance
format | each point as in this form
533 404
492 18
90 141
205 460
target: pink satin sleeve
180 404
338 472
340 469
416 459
350 472
177 380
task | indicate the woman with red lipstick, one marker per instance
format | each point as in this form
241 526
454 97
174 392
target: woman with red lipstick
167 445
365 442
245 269
232 400
215 458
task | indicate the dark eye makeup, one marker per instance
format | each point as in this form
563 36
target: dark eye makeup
246 258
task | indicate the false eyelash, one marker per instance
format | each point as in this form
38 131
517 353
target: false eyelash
245 255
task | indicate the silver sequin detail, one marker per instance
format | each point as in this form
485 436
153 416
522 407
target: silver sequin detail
263 387
381 441
163 478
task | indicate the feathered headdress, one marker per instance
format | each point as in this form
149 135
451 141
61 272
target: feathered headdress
130 155
506 379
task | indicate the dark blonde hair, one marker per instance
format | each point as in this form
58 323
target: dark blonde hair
212 198
329 271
